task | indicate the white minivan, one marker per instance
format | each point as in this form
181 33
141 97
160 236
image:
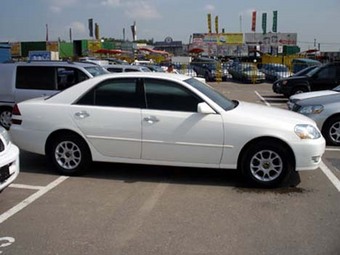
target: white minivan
25 80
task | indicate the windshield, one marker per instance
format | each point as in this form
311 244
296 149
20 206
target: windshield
312 72
213 94
96 70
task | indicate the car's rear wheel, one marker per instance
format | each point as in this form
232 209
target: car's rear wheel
5 117
331 131
69 154
267 164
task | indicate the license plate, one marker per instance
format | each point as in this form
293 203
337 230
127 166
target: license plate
4 173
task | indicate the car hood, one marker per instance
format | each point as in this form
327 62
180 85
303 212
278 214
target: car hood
266 116
306 95
321 100
294 78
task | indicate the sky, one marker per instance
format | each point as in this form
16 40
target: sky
314 21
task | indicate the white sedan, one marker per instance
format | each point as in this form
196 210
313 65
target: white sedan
165 119
9 160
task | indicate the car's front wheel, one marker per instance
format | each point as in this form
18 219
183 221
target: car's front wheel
266 164
331 131
69 154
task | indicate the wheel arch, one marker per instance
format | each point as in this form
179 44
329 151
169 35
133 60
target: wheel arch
267 139
335 115
63 132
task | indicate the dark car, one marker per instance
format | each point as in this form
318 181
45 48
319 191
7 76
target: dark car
326 76
209 68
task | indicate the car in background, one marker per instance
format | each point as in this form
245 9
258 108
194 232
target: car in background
208 68
325 111
24 80
165 119
126 68
305 71
247 72
301 63
9 160
323 77
275 71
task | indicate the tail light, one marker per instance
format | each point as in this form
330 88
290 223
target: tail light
15 113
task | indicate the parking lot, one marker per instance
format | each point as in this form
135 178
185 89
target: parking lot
134 209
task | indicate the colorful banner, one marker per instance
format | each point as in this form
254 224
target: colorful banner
15 49
253 21
218 38
52 46
209 23
264 23
274 29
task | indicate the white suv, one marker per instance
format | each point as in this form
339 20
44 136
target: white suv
9 160
25 80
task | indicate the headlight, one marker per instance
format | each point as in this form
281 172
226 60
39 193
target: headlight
311 109
305 131
284 82
5 135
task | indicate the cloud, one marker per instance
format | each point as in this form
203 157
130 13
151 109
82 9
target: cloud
209 7
56 6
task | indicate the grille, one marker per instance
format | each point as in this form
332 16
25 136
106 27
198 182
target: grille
296 107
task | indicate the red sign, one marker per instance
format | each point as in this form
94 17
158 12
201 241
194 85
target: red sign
253 22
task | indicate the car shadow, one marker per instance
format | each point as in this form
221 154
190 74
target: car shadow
132 173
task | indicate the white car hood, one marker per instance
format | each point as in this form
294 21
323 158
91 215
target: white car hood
305 95
252 114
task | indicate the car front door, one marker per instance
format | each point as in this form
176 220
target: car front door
173 130
110 117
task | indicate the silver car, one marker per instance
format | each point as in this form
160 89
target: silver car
325 111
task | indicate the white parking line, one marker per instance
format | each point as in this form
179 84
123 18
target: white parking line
334 180
330 175
24 186
31 199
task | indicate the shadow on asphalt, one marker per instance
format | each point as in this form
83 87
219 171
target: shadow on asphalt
132 173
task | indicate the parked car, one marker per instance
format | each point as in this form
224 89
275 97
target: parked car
275 71
247 72
301 63
325 111
208 68
126 68
165 119
305 71
9 160
297 97
323 77
24 80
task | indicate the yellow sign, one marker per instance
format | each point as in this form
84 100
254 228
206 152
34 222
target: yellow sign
52 46
16 49
93 45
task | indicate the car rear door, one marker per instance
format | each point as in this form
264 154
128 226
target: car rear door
173 130
325 78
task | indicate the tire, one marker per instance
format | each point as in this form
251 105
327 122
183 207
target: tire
267 164
5 117
299 90
331 131
69 154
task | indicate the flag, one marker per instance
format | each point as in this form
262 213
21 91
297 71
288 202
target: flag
134 31
91 27
96 30
274 29
209 23
253 22
216 24
264 23
46 33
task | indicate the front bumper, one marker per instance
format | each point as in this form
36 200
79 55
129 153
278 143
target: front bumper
9 166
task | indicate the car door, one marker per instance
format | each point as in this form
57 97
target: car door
173 130
110 117
324 79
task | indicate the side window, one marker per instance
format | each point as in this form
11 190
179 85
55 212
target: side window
115 69
131 70
68 76
166 95
36 77
115 93
327 73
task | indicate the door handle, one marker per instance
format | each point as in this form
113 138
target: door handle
151 119
81 115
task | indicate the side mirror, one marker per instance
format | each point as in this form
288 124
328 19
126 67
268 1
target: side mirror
205 108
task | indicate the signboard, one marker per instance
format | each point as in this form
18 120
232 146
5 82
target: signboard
15 49
220 39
